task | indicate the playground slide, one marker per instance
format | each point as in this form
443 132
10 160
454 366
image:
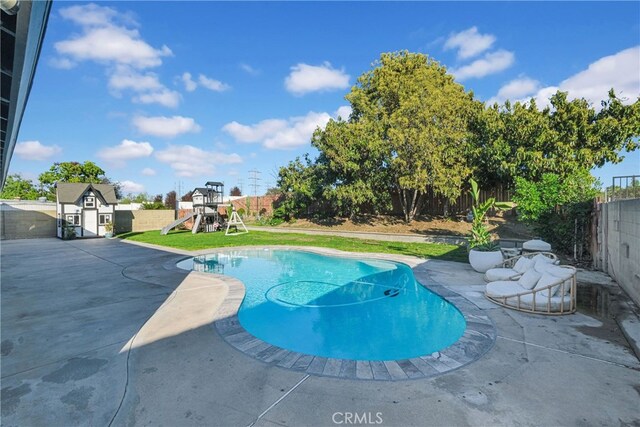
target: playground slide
176 223
196 225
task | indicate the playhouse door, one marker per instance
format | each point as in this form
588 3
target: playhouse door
89 223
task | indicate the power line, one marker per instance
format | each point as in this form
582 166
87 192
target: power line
254 177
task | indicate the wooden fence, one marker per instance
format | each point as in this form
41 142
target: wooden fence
437 205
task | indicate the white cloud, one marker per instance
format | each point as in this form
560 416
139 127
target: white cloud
189 84
257 132
491 63
299 131
127 78
126 150
34 150
150 90
281 134
191 162
469 42
148 172
165 97
108 38
212 84
306 78
344 112
515 90
112 44
620 71
131 187
165 127
62 63
249 69
89 14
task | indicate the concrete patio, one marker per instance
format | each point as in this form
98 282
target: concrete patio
103 332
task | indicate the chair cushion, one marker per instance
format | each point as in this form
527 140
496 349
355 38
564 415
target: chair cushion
523 264
563 273
500 274
529 279
536 246
541 264
540 258
503 288
543 303
546 280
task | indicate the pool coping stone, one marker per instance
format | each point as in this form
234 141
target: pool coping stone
477 340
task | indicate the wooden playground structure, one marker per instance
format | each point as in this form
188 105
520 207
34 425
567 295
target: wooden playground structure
206 201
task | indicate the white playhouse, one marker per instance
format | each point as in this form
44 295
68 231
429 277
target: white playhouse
84 208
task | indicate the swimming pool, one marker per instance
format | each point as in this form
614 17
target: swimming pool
357 309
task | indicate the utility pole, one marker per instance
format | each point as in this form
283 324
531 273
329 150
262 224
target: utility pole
240 185
254 178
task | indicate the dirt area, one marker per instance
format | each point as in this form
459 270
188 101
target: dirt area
504 227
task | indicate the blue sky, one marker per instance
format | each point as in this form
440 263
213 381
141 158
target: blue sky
161 93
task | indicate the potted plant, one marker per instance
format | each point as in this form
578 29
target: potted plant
68 232
484 252
108 230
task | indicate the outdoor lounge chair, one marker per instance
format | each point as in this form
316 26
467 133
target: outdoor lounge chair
552 292
513 268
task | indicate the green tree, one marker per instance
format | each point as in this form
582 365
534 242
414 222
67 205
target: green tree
351 167
300 187
409 131
135 198
16 187
87 172
559 208
519 140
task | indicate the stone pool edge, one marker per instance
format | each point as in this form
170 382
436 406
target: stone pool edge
478 338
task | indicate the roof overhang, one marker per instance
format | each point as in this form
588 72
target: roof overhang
23 24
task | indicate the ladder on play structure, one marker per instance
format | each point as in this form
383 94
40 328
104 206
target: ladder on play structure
234 222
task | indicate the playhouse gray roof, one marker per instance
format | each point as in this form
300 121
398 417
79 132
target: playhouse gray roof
70 192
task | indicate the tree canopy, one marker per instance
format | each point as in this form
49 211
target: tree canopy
413 129
409 130
87 172
16 187
565 138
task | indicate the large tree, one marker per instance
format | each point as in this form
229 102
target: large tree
16 187
170 200
409 131
87 172
519 140
300 186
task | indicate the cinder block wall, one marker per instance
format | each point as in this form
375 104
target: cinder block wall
143 220
622 240
24 224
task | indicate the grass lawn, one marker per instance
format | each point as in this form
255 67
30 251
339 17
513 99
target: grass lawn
188 241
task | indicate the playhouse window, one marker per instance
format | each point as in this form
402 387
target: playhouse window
89 202
104 219
73 219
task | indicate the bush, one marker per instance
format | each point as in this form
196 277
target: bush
153 206
559 209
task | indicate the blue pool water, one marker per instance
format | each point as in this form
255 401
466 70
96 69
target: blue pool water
359 309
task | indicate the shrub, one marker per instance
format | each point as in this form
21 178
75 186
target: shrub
559 209
480 238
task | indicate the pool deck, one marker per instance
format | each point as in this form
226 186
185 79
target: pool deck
102 332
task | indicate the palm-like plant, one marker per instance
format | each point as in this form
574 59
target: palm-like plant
481 239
